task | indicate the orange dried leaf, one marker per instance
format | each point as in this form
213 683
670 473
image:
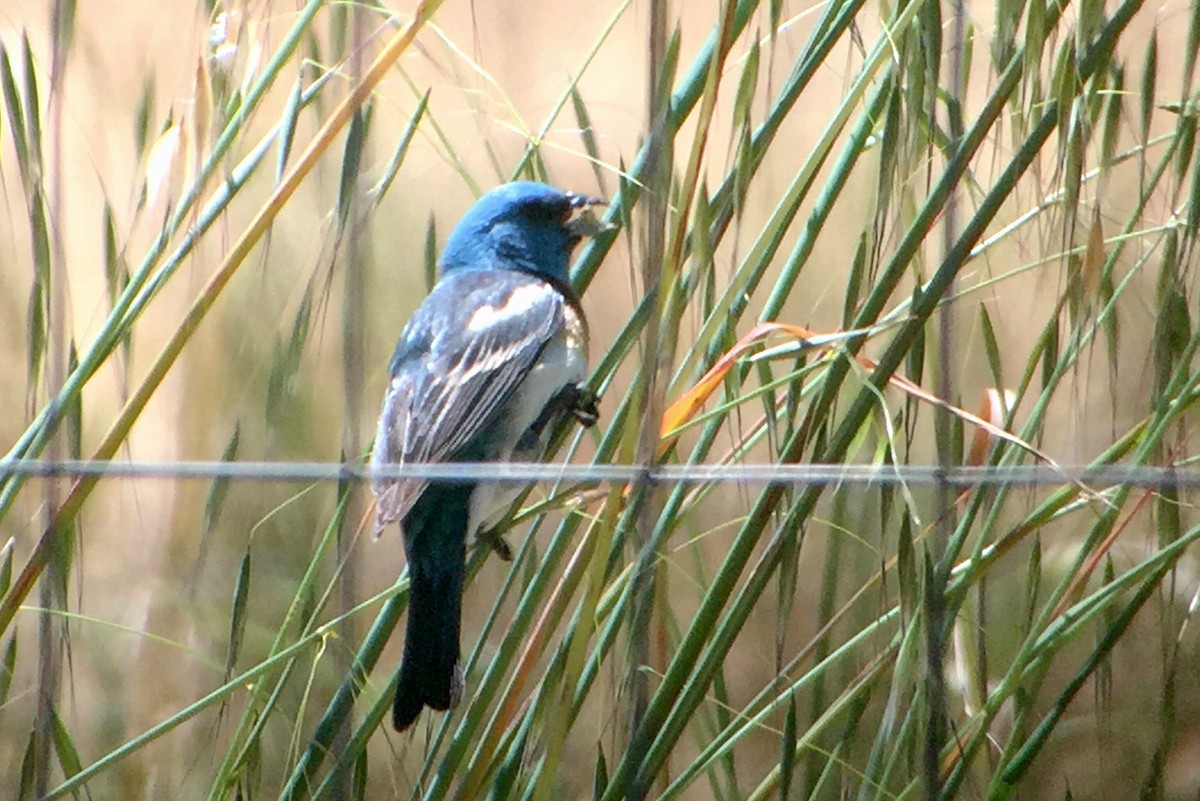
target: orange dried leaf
689 404
994 409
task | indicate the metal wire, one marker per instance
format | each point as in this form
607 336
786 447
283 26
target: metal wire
528 472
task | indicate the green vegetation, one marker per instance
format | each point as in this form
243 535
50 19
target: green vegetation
1003 204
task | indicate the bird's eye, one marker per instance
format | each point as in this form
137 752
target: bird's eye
546 210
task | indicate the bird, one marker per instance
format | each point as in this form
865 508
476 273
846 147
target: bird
487 367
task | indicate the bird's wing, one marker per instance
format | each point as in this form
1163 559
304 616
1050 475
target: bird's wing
459 359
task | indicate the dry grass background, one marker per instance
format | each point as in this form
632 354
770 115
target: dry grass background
156 601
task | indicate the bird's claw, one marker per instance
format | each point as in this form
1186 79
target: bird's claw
583 404
495 540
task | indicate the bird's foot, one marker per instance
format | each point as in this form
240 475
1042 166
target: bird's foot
495 540
582 403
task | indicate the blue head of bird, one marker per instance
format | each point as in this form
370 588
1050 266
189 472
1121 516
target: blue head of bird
521 225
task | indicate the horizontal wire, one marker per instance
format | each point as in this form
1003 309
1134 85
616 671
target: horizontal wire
527 472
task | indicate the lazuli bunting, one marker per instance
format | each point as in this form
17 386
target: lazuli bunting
490 362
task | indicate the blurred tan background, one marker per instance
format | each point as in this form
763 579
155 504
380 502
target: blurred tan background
155 600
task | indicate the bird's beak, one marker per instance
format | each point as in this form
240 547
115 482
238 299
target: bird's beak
582 221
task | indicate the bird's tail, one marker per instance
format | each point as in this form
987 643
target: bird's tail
435 538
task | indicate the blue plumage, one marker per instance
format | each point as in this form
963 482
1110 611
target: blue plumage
519 226
490 361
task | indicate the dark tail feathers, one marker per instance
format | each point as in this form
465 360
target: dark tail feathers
435 538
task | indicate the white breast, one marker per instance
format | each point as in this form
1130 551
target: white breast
562 362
